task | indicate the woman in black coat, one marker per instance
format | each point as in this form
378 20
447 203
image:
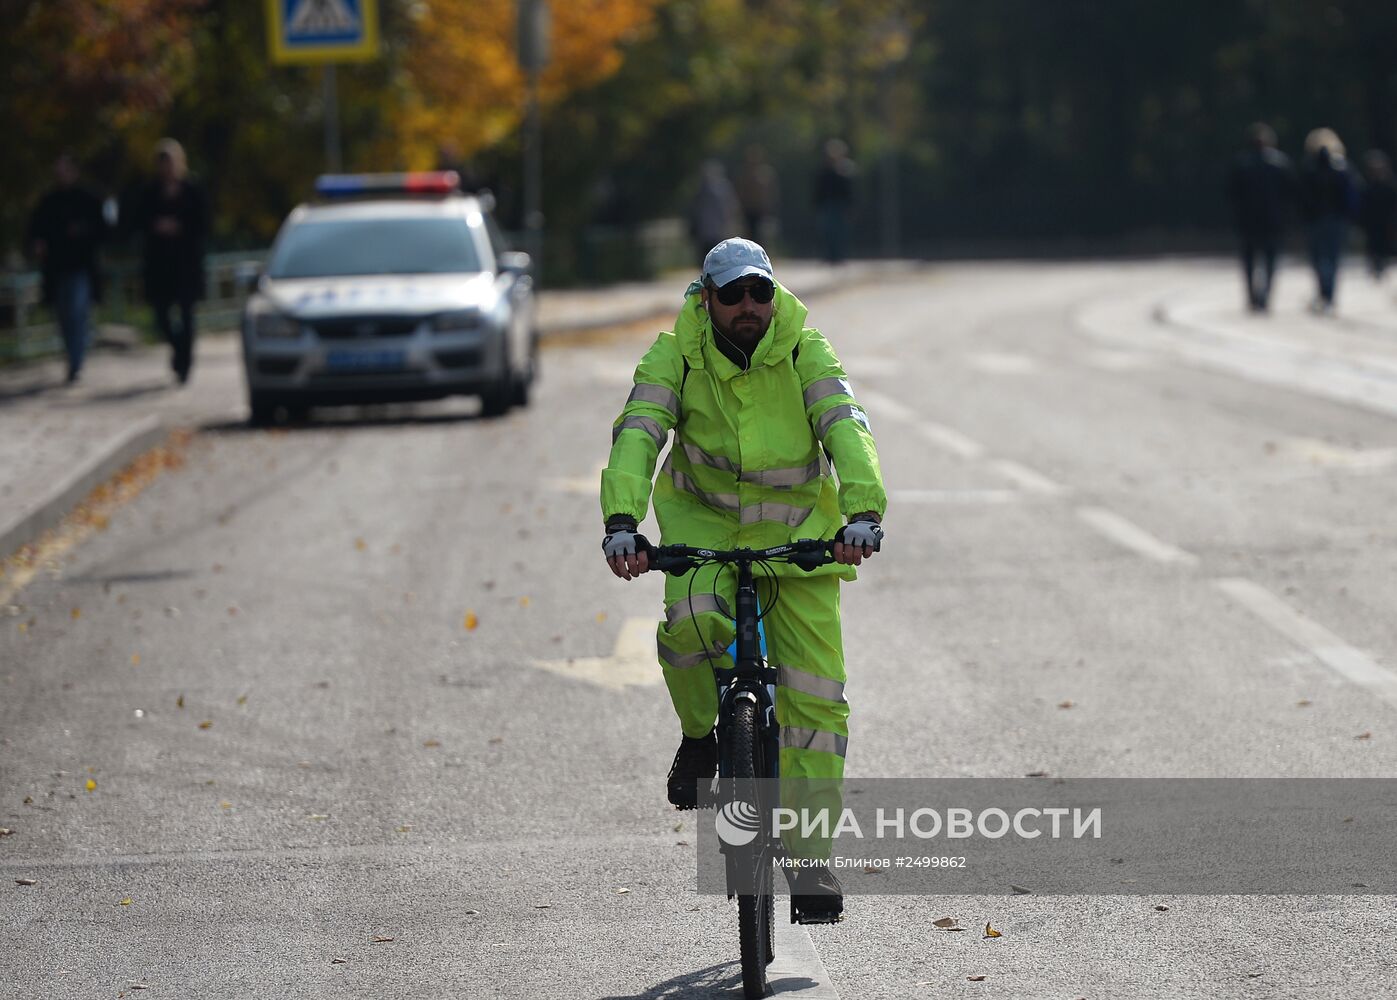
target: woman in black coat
172 219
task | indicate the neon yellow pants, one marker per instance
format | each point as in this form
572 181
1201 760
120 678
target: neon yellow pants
803 643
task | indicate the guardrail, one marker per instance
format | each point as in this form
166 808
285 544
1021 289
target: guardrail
28 330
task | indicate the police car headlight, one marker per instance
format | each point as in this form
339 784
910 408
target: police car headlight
453 322
272 325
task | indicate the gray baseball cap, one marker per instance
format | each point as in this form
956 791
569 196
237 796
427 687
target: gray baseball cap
736 258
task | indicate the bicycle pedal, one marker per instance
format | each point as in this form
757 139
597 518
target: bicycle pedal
815 917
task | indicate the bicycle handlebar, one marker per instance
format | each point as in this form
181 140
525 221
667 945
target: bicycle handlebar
808 554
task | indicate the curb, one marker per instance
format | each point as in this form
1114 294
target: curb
27 525
659 311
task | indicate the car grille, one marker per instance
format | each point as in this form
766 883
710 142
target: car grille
468 358
277 366
365 327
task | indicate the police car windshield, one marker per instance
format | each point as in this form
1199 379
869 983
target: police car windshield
341 247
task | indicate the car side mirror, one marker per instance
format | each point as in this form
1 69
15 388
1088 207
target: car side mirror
514 262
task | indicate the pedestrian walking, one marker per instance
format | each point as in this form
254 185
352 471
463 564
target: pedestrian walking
759 192
1377 211
1261 188
172 220
65 231
834 199
714 211
1328 196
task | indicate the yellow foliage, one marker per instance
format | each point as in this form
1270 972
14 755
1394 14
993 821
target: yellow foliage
460 87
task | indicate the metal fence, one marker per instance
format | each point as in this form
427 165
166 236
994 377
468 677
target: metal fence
28 330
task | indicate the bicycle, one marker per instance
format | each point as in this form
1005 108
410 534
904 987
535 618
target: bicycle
749 737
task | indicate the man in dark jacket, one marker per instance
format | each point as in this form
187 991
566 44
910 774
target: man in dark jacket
172 220
1261 187
65 231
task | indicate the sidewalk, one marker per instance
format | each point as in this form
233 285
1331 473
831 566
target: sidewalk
58 442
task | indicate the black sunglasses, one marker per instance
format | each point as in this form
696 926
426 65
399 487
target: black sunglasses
731 294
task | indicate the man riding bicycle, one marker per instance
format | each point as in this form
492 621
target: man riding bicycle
761 408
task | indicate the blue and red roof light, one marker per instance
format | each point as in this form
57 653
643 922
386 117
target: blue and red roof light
358 185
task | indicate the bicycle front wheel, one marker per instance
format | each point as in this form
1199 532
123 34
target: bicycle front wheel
755 913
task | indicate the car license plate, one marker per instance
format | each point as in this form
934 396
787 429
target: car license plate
349 361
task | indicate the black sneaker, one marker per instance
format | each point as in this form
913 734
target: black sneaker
695 761
816 896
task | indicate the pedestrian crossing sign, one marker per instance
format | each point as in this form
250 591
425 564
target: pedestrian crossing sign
322 31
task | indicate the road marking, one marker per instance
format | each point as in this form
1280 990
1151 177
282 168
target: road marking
955 496
1026 478
578 485
1322 453
950 439
885 406
1134 537
797 961
1349 663
1002 363
632 662
947 438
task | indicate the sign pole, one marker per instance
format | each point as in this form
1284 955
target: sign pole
533 56
331 99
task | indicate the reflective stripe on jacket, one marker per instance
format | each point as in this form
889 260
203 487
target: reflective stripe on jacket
747 463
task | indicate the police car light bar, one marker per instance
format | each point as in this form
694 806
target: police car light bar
420 182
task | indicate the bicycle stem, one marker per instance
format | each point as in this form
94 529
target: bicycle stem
748 646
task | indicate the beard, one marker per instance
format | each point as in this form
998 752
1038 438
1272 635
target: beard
746 329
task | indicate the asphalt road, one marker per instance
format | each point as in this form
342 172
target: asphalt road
320 676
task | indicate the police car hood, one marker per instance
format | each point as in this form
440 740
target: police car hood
381 294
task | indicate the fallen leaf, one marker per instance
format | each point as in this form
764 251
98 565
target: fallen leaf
318 817
1162 908
233 611
1066 704
990 932
678 827
338 961
76 613
523 602
622 892
206 724
431 743
26 881
135 659
405 828
872 870
225 805
472 913
1020 890
126 901
380 939
945 923
140 986
976 979
543 906
601 616
471 621
360 544
91 785
1364 736
1036 774
242 700
1303 703
5 831
179 702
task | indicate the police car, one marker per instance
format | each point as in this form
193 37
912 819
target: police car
390 287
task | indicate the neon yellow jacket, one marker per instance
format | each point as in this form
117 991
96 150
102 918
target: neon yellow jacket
748 463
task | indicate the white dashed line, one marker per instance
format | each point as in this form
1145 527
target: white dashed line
955 496
1133 537
1349 663
1026 478
950 439
946 438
